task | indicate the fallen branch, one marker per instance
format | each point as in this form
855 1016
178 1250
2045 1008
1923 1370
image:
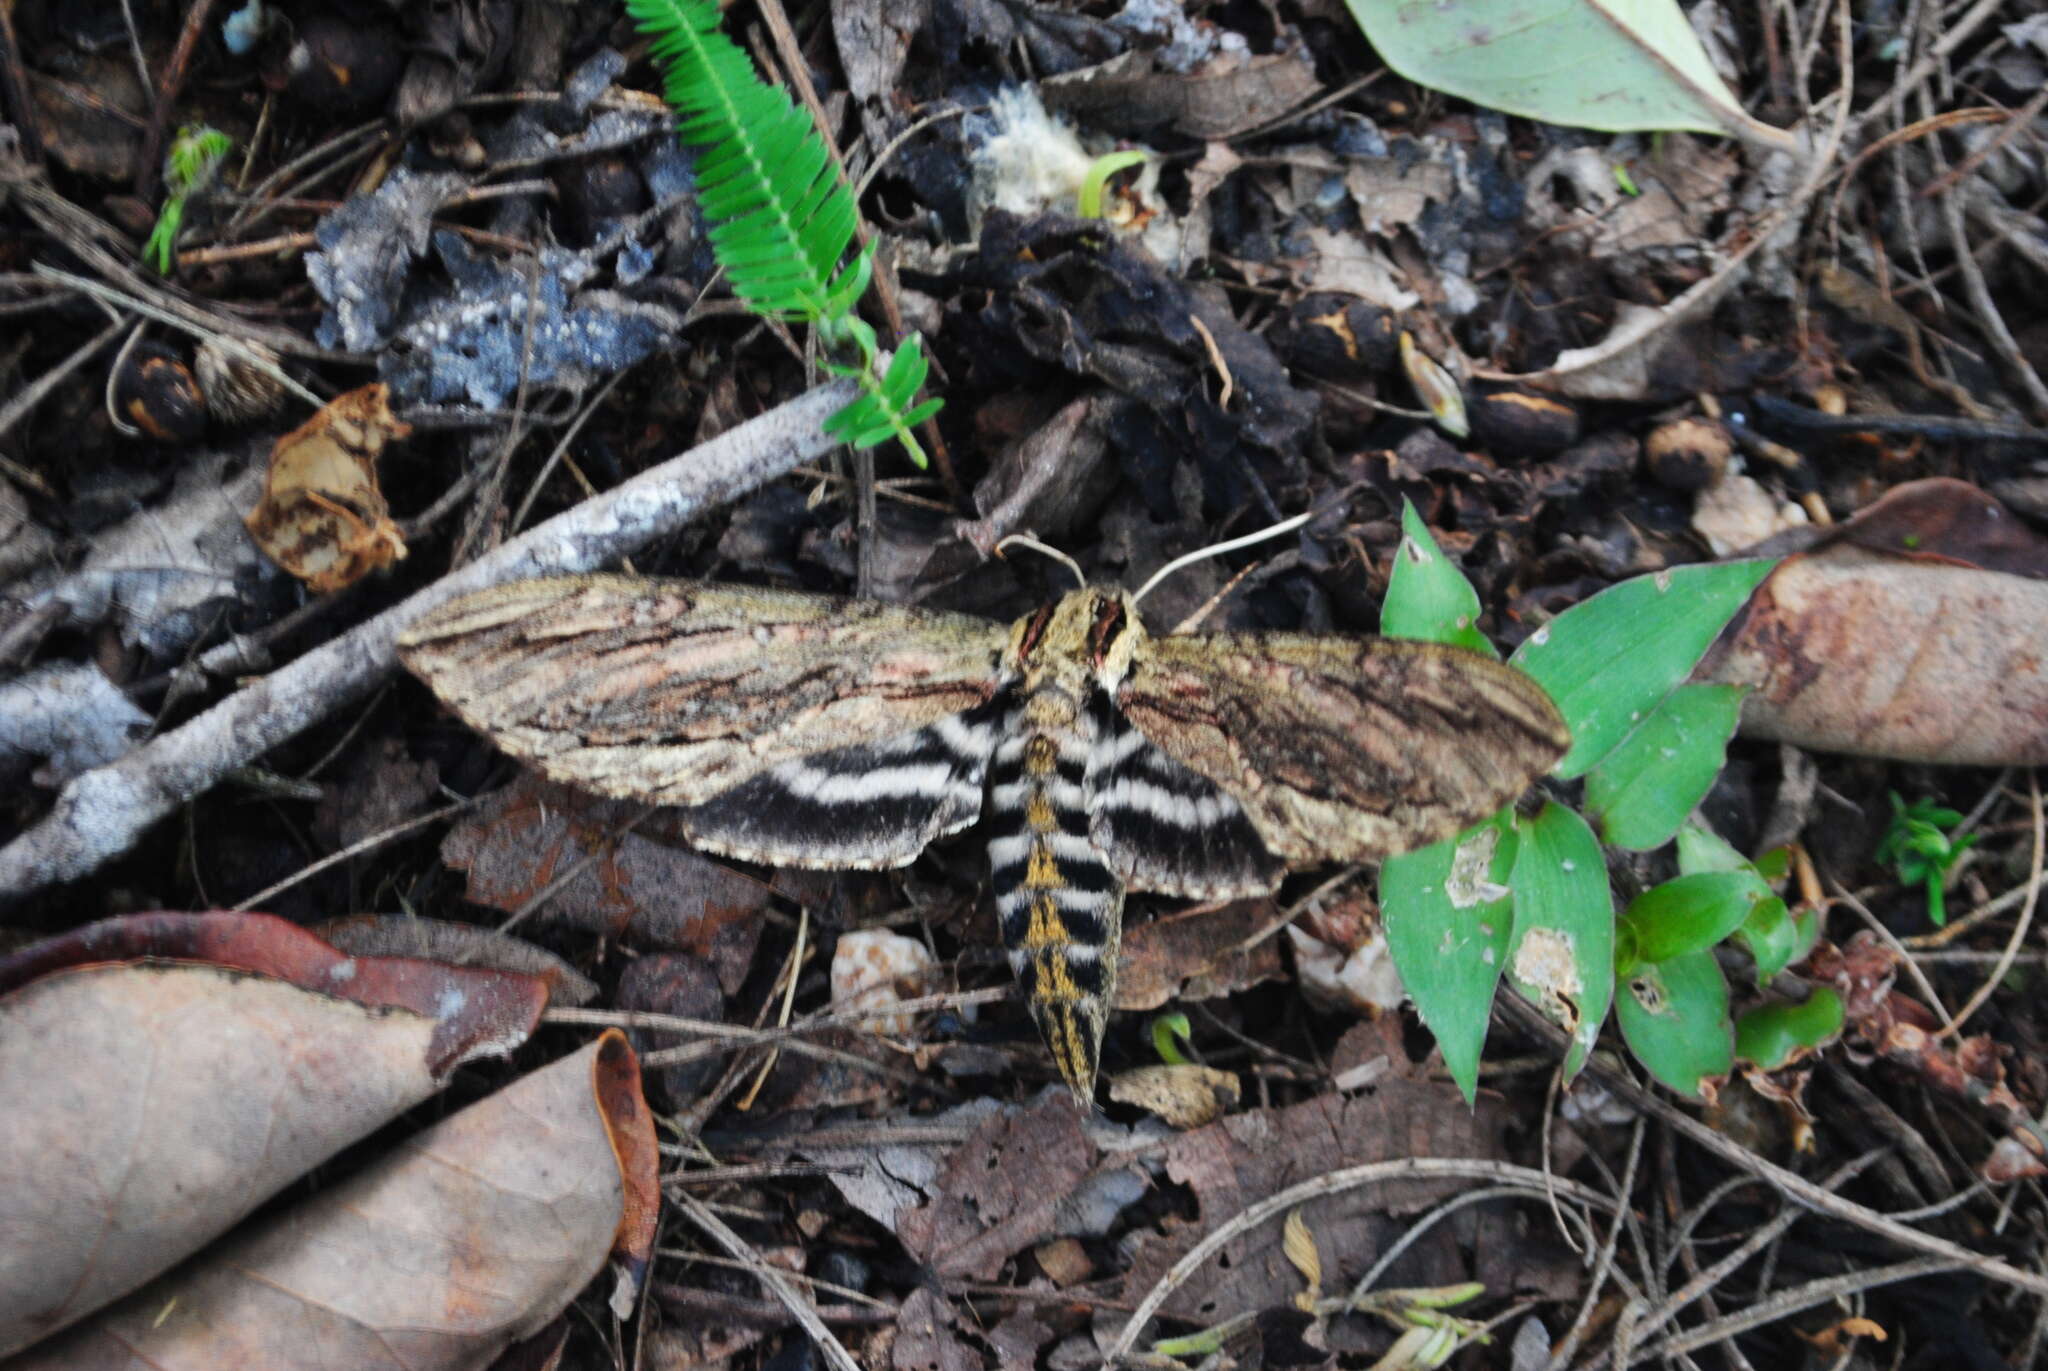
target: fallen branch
103 812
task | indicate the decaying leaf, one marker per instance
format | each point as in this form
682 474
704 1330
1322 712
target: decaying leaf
1184 1095
184 1068
322 517
1848 650
1245 1157
473 1235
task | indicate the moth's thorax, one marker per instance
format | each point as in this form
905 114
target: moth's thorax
1087 638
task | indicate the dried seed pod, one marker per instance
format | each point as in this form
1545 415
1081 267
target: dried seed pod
236 389
1689 454
1521 423
1337 337
154 391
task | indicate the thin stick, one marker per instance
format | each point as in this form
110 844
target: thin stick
2019 929
103 812
800 1309
1217 550
305 873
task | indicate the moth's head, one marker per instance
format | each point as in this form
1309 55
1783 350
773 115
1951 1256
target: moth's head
1098 626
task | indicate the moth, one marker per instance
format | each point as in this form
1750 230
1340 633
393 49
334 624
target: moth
795 729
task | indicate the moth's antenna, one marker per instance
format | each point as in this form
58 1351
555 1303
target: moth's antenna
1026 540
1284 526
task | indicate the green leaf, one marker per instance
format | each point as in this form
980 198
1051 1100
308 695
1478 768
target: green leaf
780 218
1618 65
884 410
1448 910
1641 791
1772 1035
1691 913
1427 596
1674 1015
1702 849
1609 661
1563 941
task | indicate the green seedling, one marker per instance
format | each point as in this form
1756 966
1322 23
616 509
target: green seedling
1919 846
195 156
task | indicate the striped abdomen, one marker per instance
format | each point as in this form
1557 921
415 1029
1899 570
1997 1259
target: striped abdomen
1060 905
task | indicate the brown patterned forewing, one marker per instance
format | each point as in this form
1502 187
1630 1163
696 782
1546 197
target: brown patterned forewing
675 691
1345 749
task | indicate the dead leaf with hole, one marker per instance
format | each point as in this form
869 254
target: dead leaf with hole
178 1069
1001 1191
322 516
473 1235
1903 654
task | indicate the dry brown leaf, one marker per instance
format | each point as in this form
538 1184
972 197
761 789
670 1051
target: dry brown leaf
322 516
474 1235
1001 1191
1854 651
533 833
174 1096
1184 1095
1199 953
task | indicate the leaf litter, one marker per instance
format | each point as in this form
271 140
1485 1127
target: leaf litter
1224 343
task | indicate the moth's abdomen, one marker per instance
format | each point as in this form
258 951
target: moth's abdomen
1059 903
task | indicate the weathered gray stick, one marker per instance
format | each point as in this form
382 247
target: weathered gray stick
102 812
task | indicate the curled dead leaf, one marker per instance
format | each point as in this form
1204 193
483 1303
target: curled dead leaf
474 1235
1184 1095
185 1067
322 516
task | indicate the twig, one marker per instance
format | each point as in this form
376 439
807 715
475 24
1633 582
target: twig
1788 1302
2019 929
1321 1187
354 850
777 1284
103 812
31 395
149 161
1791 1184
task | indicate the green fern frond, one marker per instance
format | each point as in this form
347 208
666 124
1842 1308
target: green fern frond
781 220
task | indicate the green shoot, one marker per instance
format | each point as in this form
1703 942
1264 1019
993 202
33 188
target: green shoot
1919 847
189 167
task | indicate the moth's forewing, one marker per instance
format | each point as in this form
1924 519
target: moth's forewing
674 691
1345 749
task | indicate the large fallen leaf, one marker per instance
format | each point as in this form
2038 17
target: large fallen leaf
154 1103
1618 65
1849 650
471 1236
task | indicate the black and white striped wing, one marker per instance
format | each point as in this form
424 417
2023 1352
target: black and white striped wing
1165 828
803 730
869 806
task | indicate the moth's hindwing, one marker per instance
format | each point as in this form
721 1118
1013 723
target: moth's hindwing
867 806
1345 749
675 692
1163 827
